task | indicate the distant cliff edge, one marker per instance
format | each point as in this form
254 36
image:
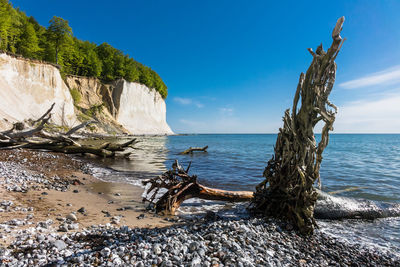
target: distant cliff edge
29 87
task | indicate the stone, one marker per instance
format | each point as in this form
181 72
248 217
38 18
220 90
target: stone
71 217
60 245
105 252
157 249
63 228
82 210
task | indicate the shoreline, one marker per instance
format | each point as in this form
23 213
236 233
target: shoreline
37 186
61 186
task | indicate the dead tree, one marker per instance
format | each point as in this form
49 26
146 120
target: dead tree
288 192
190 150
37 137
180 186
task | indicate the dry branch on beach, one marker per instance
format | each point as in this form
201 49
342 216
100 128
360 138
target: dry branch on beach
36 137
181 186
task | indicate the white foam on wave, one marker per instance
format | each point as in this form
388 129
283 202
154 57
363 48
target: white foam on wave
371 235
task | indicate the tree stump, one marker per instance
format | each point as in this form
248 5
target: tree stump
287 191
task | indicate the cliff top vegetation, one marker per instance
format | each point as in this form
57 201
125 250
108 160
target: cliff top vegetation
23 35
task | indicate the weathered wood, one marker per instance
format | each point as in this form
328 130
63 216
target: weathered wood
181 186
190 150
80 126
122 146
38 138
45 114
288 192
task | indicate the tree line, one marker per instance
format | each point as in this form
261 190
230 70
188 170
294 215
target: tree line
23 35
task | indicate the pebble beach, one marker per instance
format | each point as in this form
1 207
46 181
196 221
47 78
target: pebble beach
55 213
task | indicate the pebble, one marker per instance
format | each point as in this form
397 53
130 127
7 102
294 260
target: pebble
212 241
71 217
60 245
82 210
63 227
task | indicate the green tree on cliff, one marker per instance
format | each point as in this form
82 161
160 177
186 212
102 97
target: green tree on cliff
59 33
5 23
28 44
24 35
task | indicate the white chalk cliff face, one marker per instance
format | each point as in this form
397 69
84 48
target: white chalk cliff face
28 89
139 109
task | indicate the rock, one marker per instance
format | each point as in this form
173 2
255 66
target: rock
115 220
63 228
67 253
144 254
82 210
60 245
196 262
157 249
73 226
193 246
76 191
71 217
105 252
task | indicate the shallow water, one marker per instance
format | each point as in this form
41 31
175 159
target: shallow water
370 162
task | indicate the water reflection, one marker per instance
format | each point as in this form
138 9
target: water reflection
147 160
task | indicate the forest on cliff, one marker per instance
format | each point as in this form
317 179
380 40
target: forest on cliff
23 35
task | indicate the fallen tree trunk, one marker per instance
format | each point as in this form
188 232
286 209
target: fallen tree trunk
37 138
190 150
181 186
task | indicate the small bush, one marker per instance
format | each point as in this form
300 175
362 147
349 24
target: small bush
76 95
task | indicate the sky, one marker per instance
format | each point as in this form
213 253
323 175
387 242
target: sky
233 66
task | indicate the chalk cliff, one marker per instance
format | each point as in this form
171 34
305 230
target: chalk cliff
132 107
27 90
139 109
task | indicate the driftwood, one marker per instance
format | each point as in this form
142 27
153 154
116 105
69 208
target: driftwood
288 192
46 113
169 190
190 150
80 126
180 186
38 138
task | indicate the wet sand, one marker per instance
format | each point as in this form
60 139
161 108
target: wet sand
97 197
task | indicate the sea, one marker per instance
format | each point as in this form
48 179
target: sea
367 164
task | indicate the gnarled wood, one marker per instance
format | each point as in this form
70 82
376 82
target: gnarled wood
38 138
288 192
181 186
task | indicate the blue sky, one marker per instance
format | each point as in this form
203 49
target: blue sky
233 66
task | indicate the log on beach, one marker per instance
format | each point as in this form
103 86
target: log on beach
38 137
